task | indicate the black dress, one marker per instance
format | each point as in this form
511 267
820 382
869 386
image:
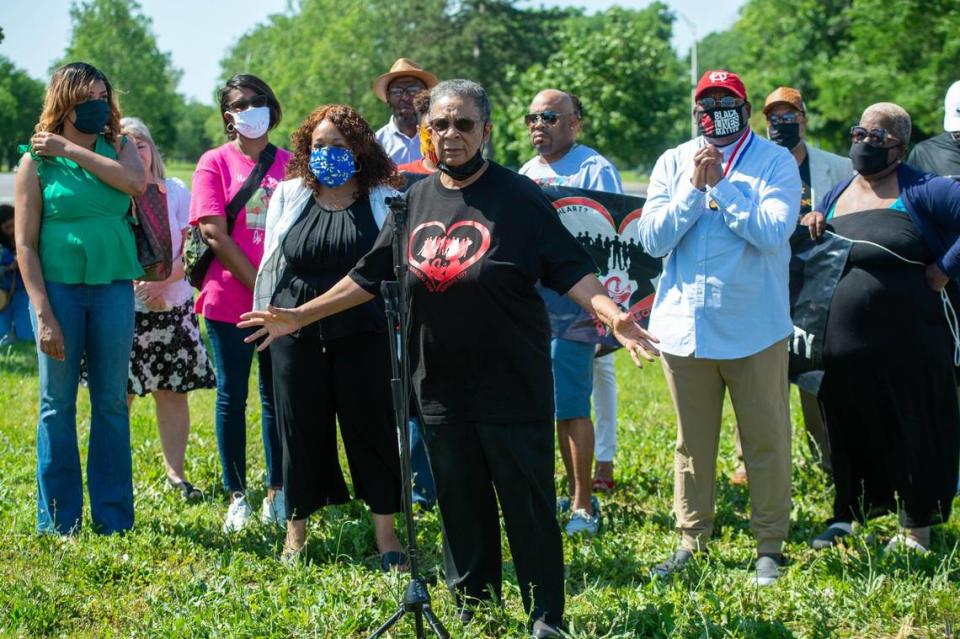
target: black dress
335 370
889 393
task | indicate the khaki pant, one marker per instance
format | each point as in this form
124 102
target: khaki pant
817 439
760 396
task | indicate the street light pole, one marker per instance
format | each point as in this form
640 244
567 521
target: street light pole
694 76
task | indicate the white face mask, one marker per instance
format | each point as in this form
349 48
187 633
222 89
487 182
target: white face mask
253 122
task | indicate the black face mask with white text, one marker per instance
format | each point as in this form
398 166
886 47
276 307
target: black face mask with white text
720 122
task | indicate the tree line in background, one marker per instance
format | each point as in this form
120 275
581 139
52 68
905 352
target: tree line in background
842 54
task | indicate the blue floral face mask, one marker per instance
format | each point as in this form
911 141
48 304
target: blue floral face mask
332 165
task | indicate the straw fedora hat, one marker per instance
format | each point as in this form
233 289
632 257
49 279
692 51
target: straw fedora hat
403 67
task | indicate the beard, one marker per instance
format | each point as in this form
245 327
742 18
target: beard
411 120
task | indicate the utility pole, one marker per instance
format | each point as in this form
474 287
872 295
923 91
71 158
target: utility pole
694 75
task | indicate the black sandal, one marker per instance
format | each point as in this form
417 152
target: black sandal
189 492
393 560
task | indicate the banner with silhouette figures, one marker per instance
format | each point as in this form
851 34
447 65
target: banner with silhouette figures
605 224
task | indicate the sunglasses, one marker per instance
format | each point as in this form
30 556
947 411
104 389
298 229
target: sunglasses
787 118
874 137
463 125
399 92
252 102
726 102
547 117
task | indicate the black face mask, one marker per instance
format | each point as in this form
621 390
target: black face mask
786 134
464 171
92 116
868 160
720 122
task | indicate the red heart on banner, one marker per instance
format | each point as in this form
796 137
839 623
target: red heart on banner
443 256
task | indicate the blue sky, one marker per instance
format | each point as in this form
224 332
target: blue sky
198 33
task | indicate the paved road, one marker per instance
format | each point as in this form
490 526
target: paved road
635 188
6 187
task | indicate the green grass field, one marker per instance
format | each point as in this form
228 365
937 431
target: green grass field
182 170
177 575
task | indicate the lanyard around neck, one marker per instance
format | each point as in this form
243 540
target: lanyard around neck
738 152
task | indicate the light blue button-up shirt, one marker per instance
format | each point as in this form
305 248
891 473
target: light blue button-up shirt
399 147
724 292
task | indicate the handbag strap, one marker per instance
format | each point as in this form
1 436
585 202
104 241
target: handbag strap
264 162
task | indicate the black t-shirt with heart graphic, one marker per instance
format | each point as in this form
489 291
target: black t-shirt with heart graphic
480 337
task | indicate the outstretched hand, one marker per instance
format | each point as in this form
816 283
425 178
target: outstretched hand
638 342
270 324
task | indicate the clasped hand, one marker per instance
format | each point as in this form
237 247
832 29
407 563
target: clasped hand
707 163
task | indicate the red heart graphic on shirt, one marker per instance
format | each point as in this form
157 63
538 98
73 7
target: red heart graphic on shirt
440 256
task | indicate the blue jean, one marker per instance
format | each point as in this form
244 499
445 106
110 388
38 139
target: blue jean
233 358
15 322
96 320
424 491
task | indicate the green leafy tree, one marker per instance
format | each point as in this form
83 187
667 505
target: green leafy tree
341 48
904 52
844 55
115 37
192 136
21 98
633 86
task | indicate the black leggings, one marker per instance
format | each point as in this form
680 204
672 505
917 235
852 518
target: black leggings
316 384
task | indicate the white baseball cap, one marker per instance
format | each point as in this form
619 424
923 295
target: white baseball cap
951 108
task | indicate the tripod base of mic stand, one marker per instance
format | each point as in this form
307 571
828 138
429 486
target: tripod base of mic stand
416 600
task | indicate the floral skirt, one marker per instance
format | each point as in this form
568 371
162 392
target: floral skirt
168 353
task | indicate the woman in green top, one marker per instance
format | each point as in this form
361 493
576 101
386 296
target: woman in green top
77 255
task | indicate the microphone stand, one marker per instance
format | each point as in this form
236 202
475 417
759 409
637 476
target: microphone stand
396 297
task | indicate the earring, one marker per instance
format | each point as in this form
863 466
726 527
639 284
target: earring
357 167
230 127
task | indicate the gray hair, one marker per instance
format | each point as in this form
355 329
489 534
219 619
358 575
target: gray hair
463 89
894 116
136 128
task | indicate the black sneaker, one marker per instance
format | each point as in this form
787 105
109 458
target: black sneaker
829 537
675 563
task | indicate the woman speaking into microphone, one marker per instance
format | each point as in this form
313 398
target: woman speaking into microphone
478 238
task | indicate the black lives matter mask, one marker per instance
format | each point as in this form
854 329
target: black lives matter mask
720 122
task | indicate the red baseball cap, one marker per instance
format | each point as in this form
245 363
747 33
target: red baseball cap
719 78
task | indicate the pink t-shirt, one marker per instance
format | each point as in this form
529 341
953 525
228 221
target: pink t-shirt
219 175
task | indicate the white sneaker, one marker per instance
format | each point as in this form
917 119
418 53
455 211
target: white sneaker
238 515
902 542
274 511
581 522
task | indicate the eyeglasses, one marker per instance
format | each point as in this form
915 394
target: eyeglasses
399 92
463 125
547 117
726 102
787 118
877 137
252 102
